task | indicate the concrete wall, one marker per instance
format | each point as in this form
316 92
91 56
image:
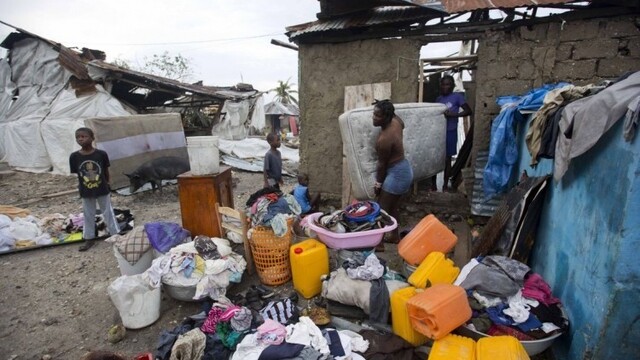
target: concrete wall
587 246
580 52
325 69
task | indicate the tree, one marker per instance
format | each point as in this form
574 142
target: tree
176 67
284 92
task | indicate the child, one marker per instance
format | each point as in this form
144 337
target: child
92 167
301 193
273 163
454 102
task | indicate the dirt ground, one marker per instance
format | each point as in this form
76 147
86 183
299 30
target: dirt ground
56 304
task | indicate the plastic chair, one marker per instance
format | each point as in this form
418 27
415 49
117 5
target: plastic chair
225 227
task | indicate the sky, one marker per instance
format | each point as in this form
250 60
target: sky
226 41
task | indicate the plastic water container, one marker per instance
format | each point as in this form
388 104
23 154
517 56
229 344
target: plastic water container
309 261
434 269
400 321
438 310
143 263
204 155
428 236
500 347
453 347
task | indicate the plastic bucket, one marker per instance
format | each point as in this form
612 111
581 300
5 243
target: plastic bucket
143 263
204 155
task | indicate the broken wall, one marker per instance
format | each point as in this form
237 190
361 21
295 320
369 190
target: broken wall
324 71
579 52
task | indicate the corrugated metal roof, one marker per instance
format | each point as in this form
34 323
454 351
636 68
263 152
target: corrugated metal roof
479 205
455 6
373 17
227 93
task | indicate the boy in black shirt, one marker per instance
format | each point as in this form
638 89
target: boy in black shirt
92 167
272 170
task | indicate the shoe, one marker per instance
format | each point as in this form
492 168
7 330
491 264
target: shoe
87 245
264 292
253 300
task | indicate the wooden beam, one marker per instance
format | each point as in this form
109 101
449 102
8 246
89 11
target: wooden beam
466 57
284 44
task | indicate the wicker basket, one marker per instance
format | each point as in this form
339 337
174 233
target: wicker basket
271 254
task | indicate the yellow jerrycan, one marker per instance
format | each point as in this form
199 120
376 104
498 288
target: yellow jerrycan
400 321
453 347
309 261
434 269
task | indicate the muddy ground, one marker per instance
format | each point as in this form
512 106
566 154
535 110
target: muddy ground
55 303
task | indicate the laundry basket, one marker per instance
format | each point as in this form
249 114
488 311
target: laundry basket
271 254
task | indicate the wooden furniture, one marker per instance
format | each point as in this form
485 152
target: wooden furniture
237 223
199 195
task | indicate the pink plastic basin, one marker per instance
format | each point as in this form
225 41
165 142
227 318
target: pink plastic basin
353 240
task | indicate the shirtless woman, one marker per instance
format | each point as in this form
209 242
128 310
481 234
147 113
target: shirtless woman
393 171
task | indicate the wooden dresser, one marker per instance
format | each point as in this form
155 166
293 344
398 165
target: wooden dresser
198 196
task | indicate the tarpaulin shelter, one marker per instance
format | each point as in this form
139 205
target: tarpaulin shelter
48 90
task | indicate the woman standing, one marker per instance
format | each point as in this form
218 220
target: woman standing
393 171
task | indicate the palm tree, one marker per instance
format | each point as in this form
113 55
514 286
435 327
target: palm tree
284 92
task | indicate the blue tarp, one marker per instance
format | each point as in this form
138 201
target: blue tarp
503 150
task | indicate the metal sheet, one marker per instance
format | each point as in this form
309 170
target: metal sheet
455 6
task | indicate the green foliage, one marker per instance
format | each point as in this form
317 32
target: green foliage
176 67
284 92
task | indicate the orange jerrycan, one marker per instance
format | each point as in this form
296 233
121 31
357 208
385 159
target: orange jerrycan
428 236
400 321
309 261
437 310
500 347
453 347
434 269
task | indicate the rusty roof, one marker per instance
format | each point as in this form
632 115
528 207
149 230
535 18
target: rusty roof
160 83
456 6
372 17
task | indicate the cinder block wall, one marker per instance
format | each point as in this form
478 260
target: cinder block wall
325 69
579 52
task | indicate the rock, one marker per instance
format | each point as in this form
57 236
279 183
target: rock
46 357
116 333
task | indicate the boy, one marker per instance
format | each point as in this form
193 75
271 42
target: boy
301 193
92 167
454 102
272 170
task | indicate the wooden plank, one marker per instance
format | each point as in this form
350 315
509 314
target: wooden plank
61 193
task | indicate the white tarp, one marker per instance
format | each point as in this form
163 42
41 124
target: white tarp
255 148
68 113
37 131
238 118
7 89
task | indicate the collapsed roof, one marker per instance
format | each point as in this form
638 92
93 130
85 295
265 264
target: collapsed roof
88 66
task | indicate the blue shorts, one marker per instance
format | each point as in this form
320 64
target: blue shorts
452 142
399 178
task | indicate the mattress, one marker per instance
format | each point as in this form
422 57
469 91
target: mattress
424 139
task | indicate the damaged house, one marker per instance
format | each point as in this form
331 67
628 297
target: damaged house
588 228
48 90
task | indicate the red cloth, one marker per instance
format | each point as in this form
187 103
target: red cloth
536 288
293 126
497 330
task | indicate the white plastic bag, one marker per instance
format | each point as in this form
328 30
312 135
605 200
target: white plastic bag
137 302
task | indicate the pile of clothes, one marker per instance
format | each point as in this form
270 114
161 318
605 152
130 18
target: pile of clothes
508 299
226 329
271 207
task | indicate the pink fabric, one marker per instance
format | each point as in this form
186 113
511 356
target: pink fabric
536 288
271 332
229 313
209 326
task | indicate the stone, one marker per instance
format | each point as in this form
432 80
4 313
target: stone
513 87
595 49
612 68
534 33
579 30
572 70
620 28
526 70
564 51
